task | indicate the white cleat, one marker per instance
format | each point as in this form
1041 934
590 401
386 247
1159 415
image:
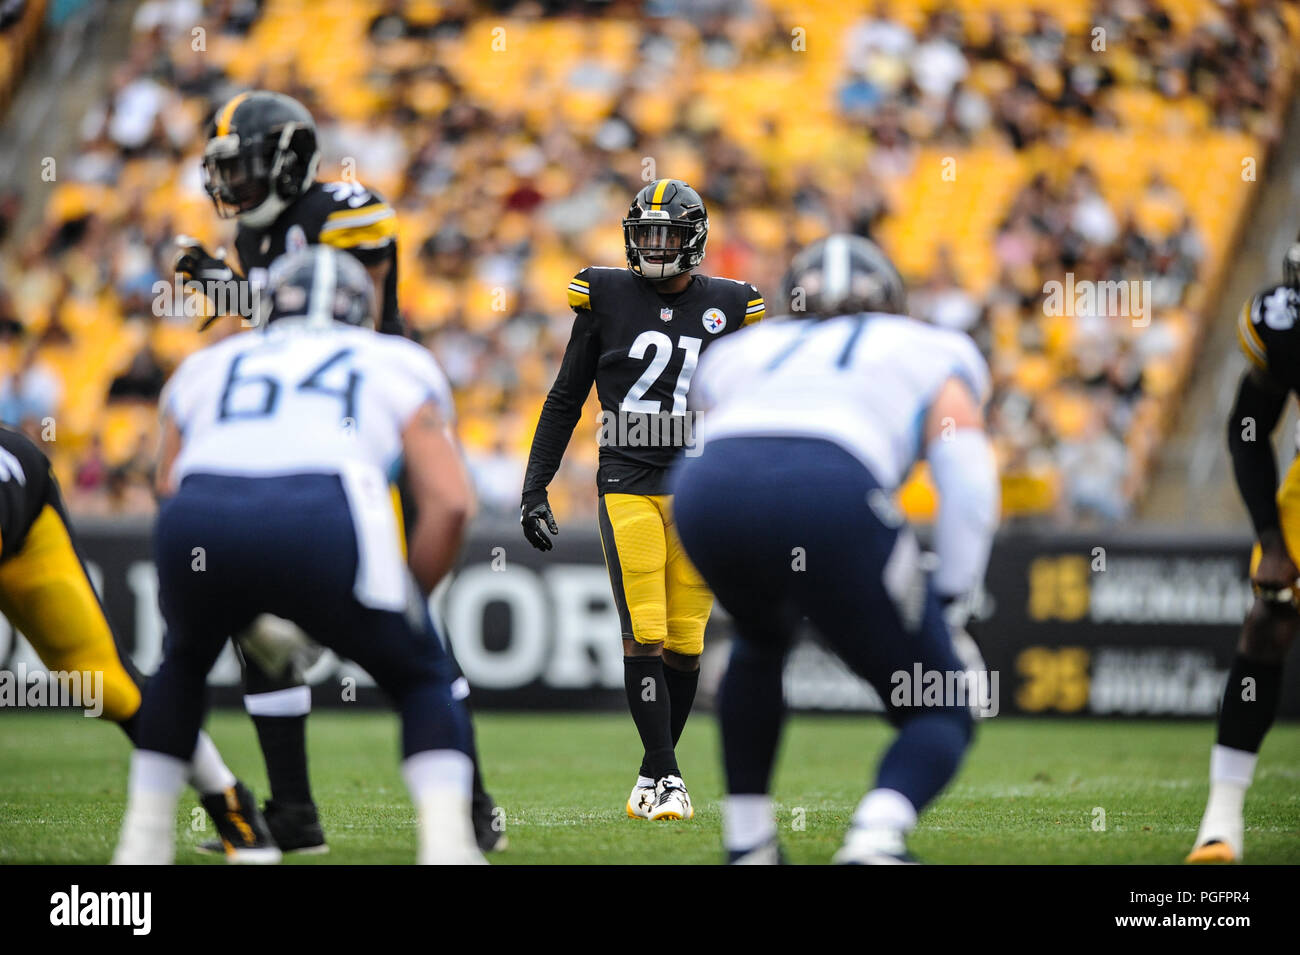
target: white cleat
640 802
672 801
1221 837
148 834
1219 840
264 855
873 847
145 841
461 855
446 832
767 853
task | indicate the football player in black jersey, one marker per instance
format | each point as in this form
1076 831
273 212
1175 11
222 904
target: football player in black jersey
259 167
637 334
1270 340
46 594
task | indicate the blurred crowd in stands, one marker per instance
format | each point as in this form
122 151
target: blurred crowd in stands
511 136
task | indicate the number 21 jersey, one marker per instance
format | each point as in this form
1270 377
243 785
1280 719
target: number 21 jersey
640 347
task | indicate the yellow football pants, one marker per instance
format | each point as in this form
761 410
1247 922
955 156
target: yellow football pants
660 596
1288 509
45 593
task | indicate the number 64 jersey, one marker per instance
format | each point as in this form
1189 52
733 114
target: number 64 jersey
641 348
293 399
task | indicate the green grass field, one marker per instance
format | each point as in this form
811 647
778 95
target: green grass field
1027 793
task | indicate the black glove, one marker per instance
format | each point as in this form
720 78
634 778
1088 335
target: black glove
196 264
199 265
536 517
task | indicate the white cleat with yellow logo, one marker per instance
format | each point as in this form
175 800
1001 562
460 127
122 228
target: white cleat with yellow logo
641 801
672 801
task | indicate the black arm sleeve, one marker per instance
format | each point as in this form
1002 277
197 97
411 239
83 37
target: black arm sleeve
563 405
1254 464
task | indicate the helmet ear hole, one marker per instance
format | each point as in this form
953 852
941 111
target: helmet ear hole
304 155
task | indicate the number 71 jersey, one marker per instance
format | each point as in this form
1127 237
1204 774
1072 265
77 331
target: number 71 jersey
291 399
865 382
642 348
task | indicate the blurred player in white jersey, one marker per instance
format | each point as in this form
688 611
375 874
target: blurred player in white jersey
808 427
279 445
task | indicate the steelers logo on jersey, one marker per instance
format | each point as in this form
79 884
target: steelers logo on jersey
714 320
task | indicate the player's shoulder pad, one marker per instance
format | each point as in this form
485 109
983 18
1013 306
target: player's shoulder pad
579 290
939 346
355 218
583 286
416 362
1265 319
21 459
748 297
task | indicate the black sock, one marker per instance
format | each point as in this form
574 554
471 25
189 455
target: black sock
284 746
648 699
1250 702
751 709
682 685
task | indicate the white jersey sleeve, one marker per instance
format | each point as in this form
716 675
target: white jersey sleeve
183 392
410 378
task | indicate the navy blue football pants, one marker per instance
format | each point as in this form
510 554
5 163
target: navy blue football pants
787 528
230 548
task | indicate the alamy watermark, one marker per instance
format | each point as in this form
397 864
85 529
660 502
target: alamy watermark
79 689
974 688
634 429
133 910
192 298
1125 298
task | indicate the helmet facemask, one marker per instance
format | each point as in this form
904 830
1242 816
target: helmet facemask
661 248
254 178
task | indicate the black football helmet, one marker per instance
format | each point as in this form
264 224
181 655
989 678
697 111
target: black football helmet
665 230
260 156
843 274
322 285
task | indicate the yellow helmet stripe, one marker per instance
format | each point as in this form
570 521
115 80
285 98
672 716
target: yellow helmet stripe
228 113
657 199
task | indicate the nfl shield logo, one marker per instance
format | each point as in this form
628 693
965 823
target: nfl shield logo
665 314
